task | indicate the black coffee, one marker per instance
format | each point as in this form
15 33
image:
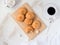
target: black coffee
51 11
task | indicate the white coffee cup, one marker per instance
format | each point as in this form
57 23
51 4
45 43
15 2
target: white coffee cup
47 15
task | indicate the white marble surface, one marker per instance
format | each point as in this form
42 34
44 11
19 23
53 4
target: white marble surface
10 32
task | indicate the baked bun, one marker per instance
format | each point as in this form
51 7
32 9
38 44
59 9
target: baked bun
36 24
29 29
20 17
28 21
30 15
22 10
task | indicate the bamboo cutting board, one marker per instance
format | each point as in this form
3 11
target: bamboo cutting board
31 35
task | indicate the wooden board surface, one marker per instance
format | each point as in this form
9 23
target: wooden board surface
31 35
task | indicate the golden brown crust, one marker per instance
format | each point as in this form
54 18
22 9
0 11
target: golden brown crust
22 10
29 29
20 17
30 15
36 24
28 21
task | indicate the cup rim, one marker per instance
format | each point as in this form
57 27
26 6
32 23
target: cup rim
50 5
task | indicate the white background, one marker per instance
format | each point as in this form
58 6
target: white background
10 32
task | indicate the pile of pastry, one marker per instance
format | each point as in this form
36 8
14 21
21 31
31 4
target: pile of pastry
29 19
